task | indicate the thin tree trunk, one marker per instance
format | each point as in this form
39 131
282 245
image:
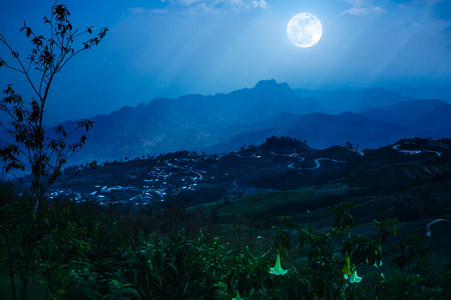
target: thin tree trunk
10 261
26 270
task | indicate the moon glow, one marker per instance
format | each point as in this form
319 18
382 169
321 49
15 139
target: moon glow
304 30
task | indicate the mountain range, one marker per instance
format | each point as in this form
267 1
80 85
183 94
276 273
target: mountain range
370 118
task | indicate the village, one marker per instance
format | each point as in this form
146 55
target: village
145 186
149 182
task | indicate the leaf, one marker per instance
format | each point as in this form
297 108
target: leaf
61 12
185 289
93 164
83 139
346 247
19 115
296 226
28 29
285 239
60 130
173 267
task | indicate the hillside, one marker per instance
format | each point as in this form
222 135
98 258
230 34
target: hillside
222 123
338 101
422 114
239 199
242 194
339 172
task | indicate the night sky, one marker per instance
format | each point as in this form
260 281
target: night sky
176 47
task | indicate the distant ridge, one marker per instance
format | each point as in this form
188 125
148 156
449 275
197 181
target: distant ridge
424 114
338 101
224 122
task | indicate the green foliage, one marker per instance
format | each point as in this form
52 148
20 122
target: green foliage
89 254
343 221
411 253
81 281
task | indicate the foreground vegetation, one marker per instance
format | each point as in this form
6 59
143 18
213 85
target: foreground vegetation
85 252
241 247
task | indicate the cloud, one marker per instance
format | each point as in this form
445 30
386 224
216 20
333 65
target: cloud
141 10
208 5
260 3
361 8
202 6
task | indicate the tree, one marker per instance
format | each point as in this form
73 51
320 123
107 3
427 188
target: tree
40 155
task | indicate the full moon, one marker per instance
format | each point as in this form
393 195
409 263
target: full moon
304 30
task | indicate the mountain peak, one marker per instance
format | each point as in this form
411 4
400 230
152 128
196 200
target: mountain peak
266 83
271 84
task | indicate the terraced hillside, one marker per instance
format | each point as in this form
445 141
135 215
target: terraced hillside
267 167
382 184
240 195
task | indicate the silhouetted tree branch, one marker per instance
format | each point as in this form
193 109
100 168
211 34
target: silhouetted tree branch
39 155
